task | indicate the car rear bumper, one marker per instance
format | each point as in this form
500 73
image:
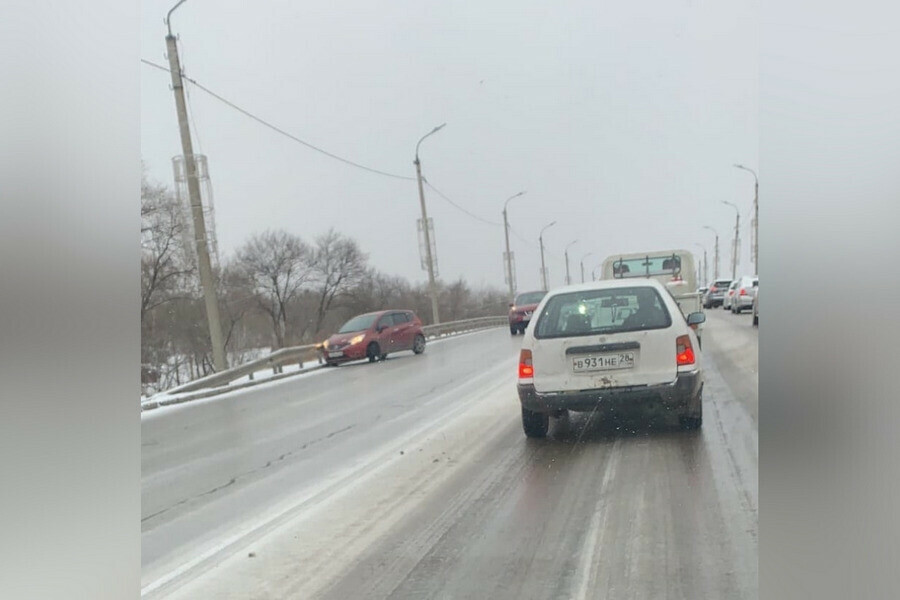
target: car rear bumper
684 392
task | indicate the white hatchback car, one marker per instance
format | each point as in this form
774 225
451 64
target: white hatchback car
610 345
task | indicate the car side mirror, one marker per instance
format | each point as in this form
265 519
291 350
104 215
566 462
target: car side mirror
380 328
511 304
696 318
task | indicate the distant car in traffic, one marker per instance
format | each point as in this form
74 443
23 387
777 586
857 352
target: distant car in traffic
729 294
756 308
716 293
610 345
374 336
521 309
744 292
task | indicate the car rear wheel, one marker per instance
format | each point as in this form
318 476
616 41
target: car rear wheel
535 424
756 320
373 351
522 329
513 330
419 344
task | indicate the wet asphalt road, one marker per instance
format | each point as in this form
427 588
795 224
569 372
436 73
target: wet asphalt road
448 499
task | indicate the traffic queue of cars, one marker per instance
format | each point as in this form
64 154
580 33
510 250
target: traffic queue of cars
735 296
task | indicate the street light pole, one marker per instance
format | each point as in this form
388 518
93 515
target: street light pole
737 228
509 269
204 265
428 258
543 265
582 265
716 259
568 278
755 224
705 270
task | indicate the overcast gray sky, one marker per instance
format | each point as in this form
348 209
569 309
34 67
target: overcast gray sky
621 120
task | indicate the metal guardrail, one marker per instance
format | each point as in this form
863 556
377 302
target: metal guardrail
300 354
465 325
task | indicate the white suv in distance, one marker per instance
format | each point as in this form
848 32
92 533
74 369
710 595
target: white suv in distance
610 345
744 292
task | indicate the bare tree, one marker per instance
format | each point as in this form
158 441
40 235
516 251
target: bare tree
165 270
338 265
277 262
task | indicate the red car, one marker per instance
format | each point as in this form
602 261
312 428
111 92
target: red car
374 336
521 310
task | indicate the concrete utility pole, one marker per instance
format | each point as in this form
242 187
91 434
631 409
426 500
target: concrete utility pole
716 253
509 270
582 265
755 221
736 247
543 265
568 278
432 286
204 266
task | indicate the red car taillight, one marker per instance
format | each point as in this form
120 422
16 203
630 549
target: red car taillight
526 369
743 292
684 351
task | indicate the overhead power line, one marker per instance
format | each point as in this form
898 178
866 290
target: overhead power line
278 129
458 207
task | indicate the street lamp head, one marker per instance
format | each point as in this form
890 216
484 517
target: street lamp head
545 229
522 193
169 15
435 130
571 244
748 169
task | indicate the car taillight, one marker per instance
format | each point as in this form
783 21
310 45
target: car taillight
526 369
743 292
713 289
684 351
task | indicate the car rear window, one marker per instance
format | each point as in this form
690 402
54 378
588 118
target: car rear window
646 266
722 283
530 298
611 310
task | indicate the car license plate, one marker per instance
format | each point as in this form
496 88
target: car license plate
335 354
603 362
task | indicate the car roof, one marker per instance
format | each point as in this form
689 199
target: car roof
375 313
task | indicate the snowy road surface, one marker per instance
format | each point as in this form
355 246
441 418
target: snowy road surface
413 479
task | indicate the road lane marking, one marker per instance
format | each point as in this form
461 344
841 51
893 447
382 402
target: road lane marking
596 526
